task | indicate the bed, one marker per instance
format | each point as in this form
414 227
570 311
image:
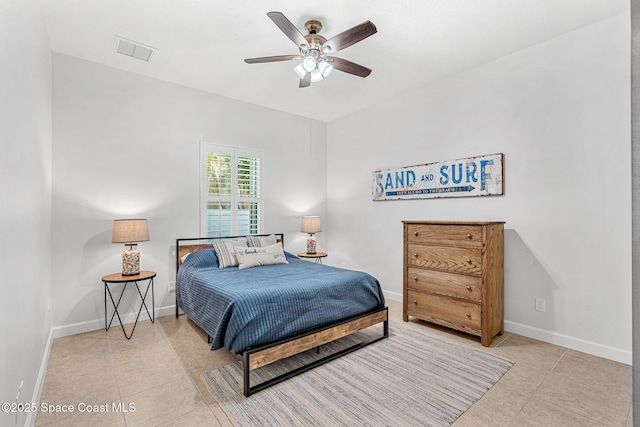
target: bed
270 312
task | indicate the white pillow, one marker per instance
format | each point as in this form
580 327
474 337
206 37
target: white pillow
266 255
260 241
225 250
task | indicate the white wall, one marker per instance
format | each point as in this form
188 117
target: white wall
25 199
128 146
560 112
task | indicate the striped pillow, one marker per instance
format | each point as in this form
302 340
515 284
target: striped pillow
260 241
226 252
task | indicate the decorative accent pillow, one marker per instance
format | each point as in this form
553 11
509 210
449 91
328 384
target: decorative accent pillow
226 252
260 241
266 255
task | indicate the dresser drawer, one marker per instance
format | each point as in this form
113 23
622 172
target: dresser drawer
444 258
469 236
448 284
464 316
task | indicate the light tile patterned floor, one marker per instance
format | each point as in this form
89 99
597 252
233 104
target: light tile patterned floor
158 373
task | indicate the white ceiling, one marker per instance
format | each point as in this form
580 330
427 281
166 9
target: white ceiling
202 43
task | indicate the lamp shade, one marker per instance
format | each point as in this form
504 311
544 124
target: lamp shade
311 224
130 231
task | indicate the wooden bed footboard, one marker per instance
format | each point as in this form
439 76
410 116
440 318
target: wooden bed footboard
261 356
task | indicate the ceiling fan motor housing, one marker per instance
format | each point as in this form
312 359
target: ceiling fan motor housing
312 26
314 41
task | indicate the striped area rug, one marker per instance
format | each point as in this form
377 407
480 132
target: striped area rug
409 379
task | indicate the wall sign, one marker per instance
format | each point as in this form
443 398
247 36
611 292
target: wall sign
473 176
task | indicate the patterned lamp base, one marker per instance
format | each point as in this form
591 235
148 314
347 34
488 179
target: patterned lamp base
311 244
131 261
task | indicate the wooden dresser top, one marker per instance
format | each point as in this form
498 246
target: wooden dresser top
452 222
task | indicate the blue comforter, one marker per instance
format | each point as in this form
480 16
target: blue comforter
254 306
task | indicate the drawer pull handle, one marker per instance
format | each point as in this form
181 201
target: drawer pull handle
469 236
415 302
469 260
415 278
415 233
415 255
469 315
468 287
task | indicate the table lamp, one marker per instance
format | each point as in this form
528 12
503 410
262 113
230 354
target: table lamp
129 232
311 225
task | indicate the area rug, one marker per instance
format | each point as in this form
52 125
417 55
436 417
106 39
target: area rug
409 379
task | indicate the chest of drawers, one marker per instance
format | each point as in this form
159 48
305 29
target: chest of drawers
454 275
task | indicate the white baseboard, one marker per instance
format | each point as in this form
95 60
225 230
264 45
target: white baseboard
37 390
578 344
393 296
96 324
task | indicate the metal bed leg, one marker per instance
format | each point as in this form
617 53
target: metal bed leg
177 266
246 372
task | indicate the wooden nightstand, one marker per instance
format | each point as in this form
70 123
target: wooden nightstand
119 278
317 256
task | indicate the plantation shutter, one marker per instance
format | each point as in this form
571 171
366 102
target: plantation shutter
231 196
248 192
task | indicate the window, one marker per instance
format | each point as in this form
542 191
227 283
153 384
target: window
231 203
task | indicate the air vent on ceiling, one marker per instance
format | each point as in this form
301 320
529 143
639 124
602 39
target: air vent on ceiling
133 49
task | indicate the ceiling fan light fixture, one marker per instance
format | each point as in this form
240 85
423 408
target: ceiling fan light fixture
309 63
316 76
300 71
325 68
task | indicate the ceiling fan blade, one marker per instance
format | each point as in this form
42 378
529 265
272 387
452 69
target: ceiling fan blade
349 67
287 28
351 36
271 59
305 81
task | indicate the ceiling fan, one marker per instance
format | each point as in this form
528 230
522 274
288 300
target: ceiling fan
316 51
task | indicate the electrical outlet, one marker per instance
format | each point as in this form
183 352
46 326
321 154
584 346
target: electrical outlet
541 305
172 286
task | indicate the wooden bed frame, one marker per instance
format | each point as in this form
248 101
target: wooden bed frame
255 358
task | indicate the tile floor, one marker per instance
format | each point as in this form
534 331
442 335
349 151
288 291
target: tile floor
156 376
